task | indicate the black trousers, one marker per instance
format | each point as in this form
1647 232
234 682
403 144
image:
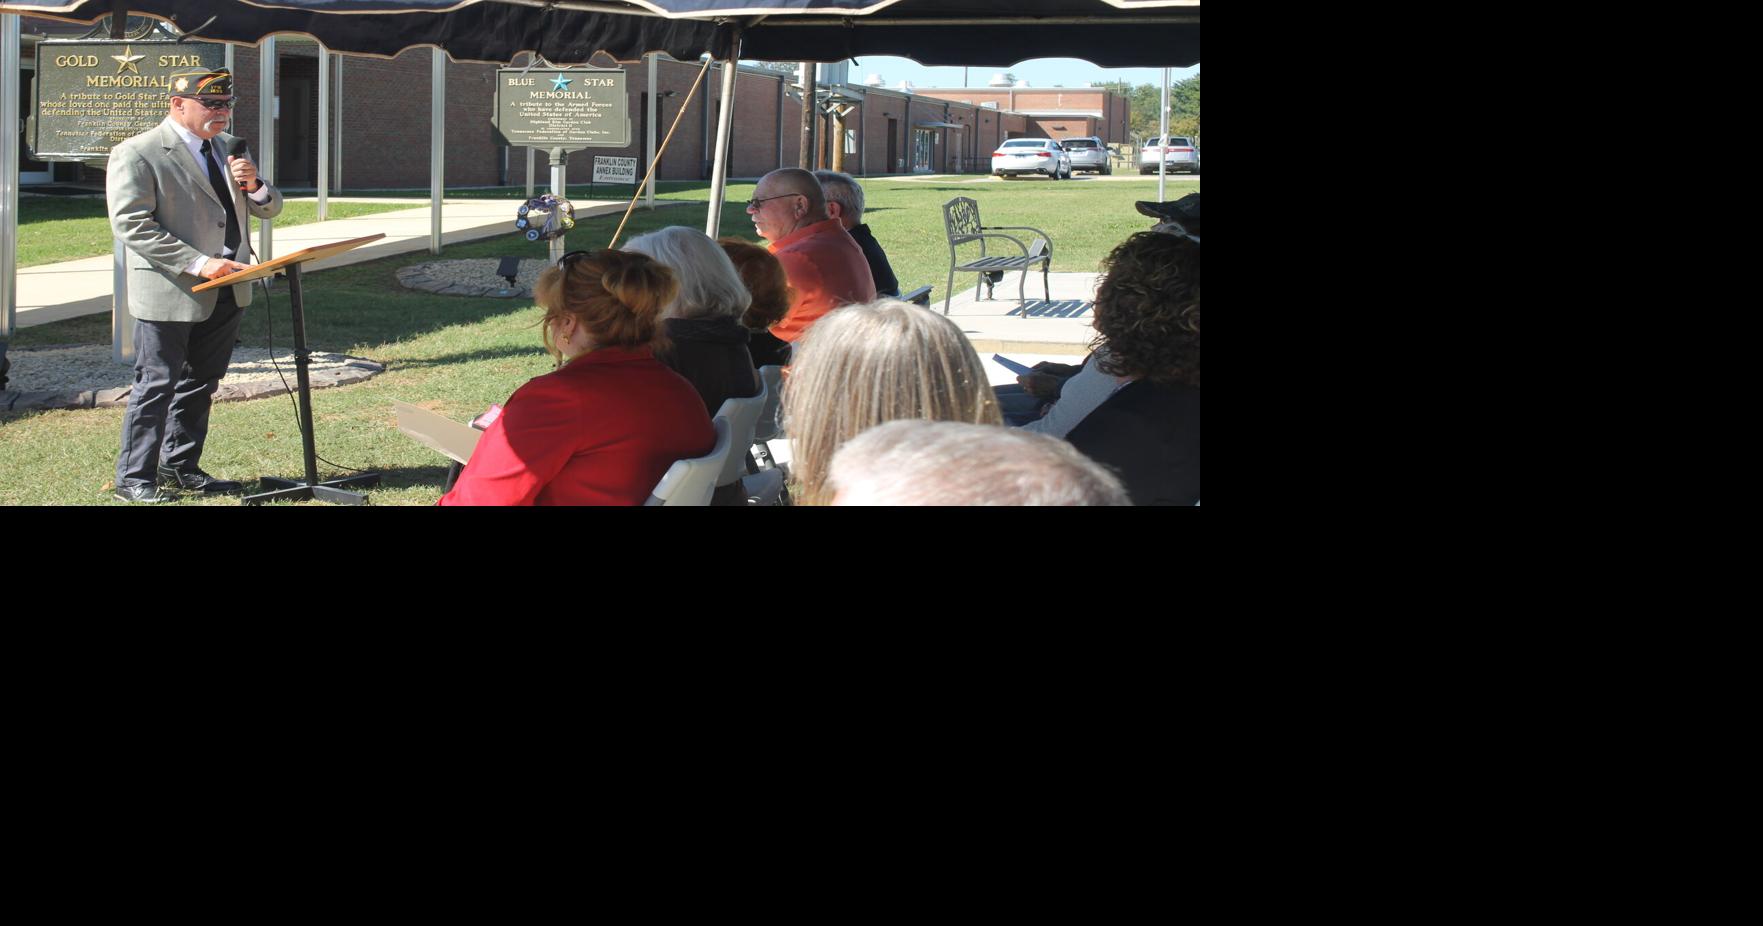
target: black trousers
178 365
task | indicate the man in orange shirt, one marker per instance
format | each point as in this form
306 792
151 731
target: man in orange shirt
823 262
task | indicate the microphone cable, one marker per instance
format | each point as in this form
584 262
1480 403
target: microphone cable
269 319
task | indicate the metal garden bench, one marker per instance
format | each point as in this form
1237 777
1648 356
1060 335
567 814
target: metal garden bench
961 221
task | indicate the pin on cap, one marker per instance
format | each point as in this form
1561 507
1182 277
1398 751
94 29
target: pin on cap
191 83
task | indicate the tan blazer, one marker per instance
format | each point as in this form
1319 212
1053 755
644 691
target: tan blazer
164 210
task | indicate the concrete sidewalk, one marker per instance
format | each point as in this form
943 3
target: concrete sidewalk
52 292
1060 326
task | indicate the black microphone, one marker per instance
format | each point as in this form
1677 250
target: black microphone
236 148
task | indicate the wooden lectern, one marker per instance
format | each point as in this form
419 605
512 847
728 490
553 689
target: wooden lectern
279 489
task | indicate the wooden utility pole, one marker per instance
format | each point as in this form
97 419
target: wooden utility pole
809 111
839 112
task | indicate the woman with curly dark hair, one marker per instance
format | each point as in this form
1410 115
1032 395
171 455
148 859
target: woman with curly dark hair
1134 405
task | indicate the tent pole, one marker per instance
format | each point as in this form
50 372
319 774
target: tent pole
324 131
267 114
724 125
649 152
337 136
532 58
10 39
805 159
1163 127
437 144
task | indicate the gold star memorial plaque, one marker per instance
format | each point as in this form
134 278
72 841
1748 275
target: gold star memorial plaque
126 60
90 94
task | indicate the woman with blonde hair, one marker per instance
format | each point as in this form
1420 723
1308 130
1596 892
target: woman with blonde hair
605 426
863 365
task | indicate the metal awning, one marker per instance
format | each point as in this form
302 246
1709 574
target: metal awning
939 125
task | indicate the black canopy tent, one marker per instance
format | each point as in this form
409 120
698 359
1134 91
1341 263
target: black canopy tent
1111 33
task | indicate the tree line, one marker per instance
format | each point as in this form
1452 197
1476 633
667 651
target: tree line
1184 106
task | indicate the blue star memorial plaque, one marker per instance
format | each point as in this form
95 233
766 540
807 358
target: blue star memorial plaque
568 109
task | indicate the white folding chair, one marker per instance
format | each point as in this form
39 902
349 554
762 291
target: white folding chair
743 417
692 482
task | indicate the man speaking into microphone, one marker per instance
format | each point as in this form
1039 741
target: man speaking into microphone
178 195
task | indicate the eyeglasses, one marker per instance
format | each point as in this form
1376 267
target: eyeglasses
212 104
754 203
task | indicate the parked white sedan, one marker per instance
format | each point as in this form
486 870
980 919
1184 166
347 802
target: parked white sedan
1031 156
1179 154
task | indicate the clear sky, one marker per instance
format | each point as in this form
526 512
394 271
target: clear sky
1039 72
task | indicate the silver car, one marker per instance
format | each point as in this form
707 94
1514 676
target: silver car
1087 153
1031 156
1180 154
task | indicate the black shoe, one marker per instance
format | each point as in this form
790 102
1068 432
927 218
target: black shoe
138 492
196 480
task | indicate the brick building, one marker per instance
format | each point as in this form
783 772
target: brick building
381 110
1053 112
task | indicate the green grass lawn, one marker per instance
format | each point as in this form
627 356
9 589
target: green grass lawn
58 228
457 355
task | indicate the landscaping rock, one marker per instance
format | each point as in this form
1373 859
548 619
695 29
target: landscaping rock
471 278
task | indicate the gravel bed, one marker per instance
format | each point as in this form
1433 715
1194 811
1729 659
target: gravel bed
84 376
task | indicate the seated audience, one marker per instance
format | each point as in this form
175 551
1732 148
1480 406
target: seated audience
772 295
844 201
605 426
1134 405
707 344
822 261
948 463
1034 392
869 364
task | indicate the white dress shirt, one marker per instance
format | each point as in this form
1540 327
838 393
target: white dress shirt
194 144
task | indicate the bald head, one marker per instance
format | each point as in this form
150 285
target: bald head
788 199
797 180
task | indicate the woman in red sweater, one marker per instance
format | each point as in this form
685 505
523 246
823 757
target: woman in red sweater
604 427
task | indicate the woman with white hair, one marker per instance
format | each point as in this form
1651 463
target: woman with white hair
868 364
708 343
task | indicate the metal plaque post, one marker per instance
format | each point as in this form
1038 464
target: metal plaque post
559 168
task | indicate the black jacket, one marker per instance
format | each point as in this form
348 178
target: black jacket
885 284
1149 434
712 354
